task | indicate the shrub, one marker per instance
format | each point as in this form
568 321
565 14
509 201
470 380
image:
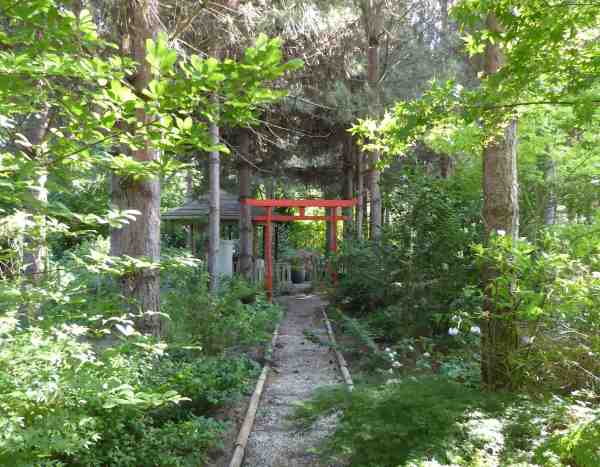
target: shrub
141 443
238 316
579 446
208 383
395 423
553 296
58 396
422 262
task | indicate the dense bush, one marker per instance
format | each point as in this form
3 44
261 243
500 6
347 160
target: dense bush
421 264
551 292
393 424
433 421
141 443
207 382
58 396
238 316
79 386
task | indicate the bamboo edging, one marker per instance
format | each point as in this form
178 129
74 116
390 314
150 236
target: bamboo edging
340 358
244 434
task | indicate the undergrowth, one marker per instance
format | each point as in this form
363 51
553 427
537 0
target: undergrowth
433 421
81 387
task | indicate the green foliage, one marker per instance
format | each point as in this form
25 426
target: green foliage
208 383
141 443
422 263
552 293
432 421
58 394
81 386
238 316
396 423
549 50
578 446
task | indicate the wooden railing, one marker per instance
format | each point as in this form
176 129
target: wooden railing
282 276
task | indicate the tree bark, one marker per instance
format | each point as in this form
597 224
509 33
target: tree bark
245 211
214 181
445 166
348 188
499 337
35 251
360 188
141 237
551 204
372 16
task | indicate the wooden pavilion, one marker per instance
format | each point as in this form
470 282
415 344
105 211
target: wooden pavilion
194 214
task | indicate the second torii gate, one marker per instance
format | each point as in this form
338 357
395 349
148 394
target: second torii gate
301 205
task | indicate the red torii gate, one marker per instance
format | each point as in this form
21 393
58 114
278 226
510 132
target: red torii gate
301 204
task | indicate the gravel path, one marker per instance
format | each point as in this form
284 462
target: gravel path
300 366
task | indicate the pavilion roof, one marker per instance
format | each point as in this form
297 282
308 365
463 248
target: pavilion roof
196 210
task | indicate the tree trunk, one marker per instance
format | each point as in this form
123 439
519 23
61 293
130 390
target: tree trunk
499 337
35 251
348 189
444 18
373 23
360 188
214 181
445 166
245 211
141 237
328 212
214 213
551 204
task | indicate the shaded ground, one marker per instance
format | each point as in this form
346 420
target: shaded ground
299 367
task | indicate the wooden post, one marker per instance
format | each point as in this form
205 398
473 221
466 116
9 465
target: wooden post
268 256
193 240
246 230
333 242
255 235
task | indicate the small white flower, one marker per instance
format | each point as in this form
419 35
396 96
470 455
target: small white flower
526 339
387 349
426 355
126 330
501 232
475 330
596 275
453 331
411 348
396 365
